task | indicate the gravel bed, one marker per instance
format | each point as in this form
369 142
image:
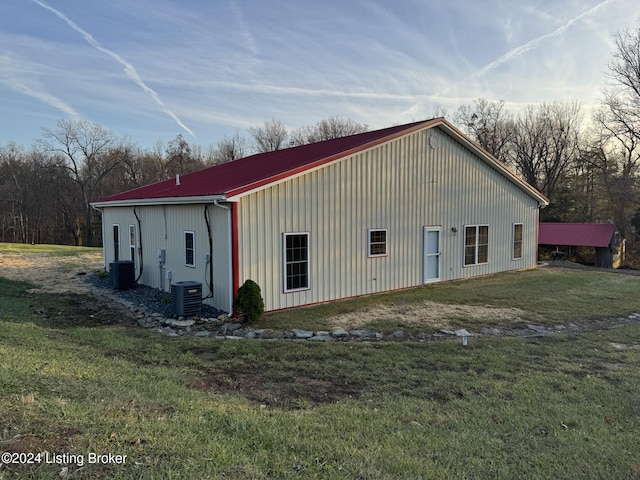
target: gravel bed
152 299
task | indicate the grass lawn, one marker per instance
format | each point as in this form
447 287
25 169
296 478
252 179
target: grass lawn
546 296
556 407
53 250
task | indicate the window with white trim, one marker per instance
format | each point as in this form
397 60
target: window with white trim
517 241
476 244
116 242
132 243
295 248
377 245
190 248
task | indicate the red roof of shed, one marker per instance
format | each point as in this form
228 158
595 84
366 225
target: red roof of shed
576 234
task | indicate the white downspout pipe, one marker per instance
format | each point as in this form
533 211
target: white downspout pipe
104 249
229 240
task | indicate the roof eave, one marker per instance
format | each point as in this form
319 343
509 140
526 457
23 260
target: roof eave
160 201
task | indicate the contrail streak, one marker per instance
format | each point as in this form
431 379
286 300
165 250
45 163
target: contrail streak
10 78
244 28
510 55
128 68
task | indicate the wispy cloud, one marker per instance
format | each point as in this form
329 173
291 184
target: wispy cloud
244 28
516 52
31 89
128 67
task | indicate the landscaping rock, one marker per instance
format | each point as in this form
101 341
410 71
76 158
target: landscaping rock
339 333
268 334
228 328
447 332
321 337
398 334
537 328
249 334
180 323
301 334
364 333
494 332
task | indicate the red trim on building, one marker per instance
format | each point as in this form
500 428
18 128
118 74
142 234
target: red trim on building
235 259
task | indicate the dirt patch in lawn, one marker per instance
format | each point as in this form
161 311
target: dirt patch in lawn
284 391
52 274
52 442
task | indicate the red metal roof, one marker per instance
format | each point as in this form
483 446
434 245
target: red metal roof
250 172
245 174
576 234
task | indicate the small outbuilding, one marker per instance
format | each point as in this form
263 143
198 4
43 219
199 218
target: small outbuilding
604 237
368 213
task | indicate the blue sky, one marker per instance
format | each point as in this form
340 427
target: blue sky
151 69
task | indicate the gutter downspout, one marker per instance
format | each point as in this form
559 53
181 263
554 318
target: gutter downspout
230 253
140 251
104 250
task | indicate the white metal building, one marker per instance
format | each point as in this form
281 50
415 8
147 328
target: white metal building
368 213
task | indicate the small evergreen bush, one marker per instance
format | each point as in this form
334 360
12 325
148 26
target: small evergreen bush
249 301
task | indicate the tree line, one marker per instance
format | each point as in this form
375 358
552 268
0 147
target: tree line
46 190
586 165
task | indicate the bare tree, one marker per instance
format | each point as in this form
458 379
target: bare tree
180 158
328 129
229 149
617 130
489 124
271 136
545 142
83 150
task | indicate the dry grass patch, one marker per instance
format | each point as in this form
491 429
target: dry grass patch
426 314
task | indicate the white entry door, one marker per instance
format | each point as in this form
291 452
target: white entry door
432 254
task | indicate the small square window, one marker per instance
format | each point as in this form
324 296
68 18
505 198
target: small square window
377 243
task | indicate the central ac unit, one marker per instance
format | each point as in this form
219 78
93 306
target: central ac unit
123 274
186 298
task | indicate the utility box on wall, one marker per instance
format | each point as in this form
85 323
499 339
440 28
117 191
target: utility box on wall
186 298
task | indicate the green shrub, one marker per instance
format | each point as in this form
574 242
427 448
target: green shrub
249 301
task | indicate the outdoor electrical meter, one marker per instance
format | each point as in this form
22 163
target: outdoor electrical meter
161 255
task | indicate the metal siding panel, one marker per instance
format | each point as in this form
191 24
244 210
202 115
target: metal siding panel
401 186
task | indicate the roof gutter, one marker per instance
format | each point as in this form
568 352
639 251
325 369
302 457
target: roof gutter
159 201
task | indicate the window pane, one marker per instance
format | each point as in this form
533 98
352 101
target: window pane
470 236
483 244
377 242
517 241
296 262
517 232
189 249
378 249
116 243
470 255
483 253
476 244
483 235
433 239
